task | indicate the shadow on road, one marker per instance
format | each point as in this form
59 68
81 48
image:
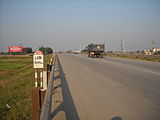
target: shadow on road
116 118
68 104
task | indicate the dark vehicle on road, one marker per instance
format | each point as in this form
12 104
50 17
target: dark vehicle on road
95 50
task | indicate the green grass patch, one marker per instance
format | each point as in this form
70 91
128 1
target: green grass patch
11 66
15 59
16 87
17 94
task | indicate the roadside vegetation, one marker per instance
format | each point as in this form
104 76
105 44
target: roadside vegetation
153 58
29 51
16 83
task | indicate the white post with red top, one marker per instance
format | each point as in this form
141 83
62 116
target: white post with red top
38 64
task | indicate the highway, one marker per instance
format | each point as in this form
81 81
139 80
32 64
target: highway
111 88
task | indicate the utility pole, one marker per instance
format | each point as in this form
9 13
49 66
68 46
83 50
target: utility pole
121 46
153 42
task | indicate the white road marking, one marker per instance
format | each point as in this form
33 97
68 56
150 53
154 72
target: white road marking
152 72
133 67
148 71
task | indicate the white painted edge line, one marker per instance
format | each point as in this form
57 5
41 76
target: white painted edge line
152 72
148 71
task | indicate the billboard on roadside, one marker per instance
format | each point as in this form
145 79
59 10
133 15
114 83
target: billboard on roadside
15 49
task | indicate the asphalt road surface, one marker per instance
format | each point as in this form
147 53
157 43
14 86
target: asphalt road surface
112 88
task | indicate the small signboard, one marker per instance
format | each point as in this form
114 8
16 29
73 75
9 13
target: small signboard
38 60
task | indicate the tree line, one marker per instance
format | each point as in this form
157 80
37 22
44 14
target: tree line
45 50
28 50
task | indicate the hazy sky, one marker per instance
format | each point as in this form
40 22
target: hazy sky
71 24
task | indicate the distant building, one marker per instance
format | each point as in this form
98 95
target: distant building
155 50
147 52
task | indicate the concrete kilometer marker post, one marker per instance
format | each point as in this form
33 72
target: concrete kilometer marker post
38 59
38 64
41 81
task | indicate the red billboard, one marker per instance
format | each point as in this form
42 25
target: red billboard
15 49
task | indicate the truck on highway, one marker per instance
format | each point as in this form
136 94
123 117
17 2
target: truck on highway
95 50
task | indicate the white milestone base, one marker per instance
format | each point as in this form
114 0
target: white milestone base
44 80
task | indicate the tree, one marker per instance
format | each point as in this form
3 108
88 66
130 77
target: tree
157 53
49 50
27 50
46 50
138 51
84 50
